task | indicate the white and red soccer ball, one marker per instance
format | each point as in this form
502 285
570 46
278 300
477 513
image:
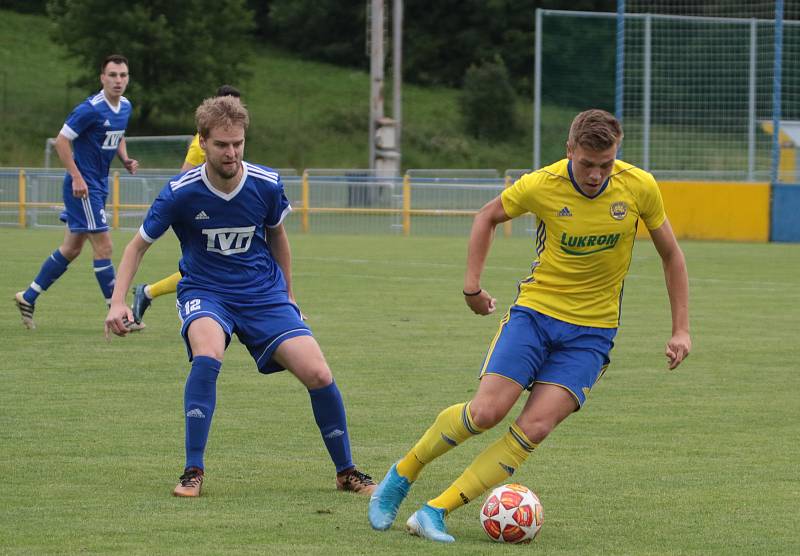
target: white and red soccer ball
512 514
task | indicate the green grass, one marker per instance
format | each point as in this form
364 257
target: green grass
698 461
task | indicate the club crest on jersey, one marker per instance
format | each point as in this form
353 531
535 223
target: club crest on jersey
619 210
229 241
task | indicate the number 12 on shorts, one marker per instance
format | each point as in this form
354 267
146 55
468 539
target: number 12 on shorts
191 306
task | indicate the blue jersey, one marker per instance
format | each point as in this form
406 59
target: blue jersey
96 129
222 235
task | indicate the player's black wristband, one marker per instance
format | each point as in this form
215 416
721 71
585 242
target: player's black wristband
473 294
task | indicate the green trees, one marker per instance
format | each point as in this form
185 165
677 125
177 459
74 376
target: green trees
487 101
180 51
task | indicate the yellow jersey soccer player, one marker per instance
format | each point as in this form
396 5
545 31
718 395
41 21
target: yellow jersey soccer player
556 338
144 294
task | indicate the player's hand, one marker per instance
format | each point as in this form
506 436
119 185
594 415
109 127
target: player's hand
131 165
481 304
293 302
79 188
118 314
678 349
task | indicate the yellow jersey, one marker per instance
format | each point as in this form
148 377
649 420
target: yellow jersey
583 244
195 155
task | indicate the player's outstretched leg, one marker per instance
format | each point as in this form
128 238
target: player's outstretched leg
190 483
25 310
386 500
140 302
428 522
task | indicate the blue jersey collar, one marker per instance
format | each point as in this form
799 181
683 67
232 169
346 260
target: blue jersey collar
577 187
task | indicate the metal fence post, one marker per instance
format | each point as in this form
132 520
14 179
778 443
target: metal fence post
406 205
22 209
115 202
304 196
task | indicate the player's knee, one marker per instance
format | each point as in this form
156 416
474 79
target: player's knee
70 252
485 416
317 377
536 430
208 351
103 250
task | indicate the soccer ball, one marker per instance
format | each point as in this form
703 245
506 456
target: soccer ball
512 514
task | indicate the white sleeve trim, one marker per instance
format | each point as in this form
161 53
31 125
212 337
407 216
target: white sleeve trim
144 235
68 132
286 211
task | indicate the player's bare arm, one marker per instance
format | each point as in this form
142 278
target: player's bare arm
119 311
279 245
63 147
677 280
131 165
480 241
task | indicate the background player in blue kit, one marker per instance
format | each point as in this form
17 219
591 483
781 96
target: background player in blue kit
236 267
95 130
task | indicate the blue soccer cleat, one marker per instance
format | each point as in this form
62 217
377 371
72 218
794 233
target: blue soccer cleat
428 522
386 500
140 302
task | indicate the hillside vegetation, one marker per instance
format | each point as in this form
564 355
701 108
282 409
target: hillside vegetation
304 114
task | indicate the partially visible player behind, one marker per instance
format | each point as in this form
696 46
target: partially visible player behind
236 266
91 136
144 294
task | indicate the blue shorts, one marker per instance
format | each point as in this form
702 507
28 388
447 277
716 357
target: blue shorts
531 347
84 215
261 327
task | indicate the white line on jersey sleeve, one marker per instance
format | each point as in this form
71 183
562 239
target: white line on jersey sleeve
144 235
286 211
68 132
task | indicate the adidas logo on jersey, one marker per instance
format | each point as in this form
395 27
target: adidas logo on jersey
201 215
564 212
106 124
196 413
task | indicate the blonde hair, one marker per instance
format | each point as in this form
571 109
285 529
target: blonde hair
596 130
224 111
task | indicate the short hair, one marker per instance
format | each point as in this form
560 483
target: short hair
595 129
228 91
220 112
115 59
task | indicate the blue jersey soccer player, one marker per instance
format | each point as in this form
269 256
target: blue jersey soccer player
144 294
96 131
557 336
236 266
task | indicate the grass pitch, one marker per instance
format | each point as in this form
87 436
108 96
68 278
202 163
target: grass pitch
698 461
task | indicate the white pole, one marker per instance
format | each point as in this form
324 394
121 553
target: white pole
397 75
648 61
751 105
376 75
537 92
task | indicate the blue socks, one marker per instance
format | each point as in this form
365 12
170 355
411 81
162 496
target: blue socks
53 267
199 400
104 272
332 422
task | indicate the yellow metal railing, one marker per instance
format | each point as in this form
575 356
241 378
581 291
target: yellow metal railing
117 208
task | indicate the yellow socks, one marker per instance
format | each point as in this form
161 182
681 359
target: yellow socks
492 466
167 285
453 426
